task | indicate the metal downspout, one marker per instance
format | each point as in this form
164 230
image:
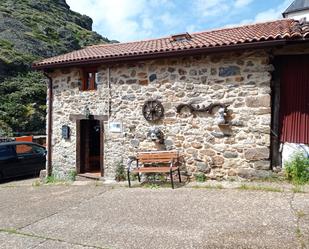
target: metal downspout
49 123
109 91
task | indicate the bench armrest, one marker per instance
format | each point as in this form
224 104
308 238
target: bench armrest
131 159
173 162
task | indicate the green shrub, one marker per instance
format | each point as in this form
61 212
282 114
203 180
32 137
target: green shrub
297 169
200 177
120 172
72 175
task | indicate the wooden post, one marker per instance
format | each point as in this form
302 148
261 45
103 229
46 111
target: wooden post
275 115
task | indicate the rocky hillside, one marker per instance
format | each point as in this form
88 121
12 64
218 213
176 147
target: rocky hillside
29 30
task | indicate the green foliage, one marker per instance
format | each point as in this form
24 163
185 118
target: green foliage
5 129
40 29
72 175
5 44
200 177
51 179
22 103
120 172
297 169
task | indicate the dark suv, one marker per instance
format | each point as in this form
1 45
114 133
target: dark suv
21 159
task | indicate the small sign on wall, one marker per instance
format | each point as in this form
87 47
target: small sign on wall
65 132
115 127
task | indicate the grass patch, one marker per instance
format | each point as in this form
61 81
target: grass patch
300 213
298 189
152 186
54 180
217 186
200 177
9 230
260 188
36 183
271 179
300 238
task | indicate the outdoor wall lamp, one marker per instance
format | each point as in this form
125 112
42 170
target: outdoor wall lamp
87 112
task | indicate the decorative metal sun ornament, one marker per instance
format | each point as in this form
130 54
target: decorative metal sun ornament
153 110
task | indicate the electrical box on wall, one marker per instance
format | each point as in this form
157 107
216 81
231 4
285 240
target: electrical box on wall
115 127
65 132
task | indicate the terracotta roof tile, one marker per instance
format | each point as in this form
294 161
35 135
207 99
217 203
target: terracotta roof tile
277 30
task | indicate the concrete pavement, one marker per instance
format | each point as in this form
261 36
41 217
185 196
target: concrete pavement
94 216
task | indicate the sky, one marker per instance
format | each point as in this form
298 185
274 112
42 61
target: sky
130 20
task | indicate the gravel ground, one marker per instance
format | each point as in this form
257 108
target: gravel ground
209 215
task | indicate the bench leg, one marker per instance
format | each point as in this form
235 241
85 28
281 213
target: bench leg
139 177
129 181
172 181
179 175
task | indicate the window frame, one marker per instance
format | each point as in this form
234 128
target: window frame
92 85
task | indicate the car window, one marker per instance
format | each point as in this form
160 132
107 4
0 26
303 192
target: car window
7 151
24 149
38 149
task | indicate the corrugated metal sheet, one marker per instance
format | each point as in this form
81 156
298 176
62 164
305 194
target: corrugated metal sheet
294 100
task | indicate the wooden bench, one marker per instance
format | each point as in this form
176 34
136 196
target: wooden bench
155 162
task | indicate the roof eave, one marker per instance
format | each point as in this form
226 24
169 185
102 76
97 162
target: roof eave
194 51
293 11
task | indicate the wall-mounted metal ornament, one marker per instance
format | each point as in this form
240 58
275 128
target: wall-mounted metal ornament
201 108
221 116
153 110
155 135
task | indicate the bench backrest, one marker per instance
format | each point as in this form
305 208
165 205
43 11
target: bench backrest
157 156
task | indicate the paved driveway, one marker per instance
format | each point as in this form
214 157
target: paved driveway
103 217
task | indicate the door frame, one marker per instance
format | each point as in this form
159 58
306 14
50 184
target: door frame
77 119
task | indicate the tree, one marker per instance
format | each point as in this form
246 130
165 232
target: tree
23 103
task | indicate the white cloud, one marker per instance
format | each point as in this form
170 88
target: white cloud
117 18
272 14
264 16
242 3
209 8
168 20
127 20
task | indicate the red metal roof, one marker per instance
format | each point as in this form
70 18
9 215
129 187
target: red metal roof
279 30
294 106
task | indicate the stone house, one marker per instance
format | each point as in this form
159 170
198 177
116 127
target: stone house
226 98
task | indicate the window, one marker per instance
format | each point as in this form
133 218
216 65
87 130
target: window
7 152
38 150
22 149
90 79
30 150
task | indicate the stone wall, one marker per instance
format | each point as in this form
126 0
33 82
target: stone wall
241 80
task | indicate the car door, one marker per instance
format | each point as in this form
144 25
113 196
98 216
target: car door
8 160
39 157
28 159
